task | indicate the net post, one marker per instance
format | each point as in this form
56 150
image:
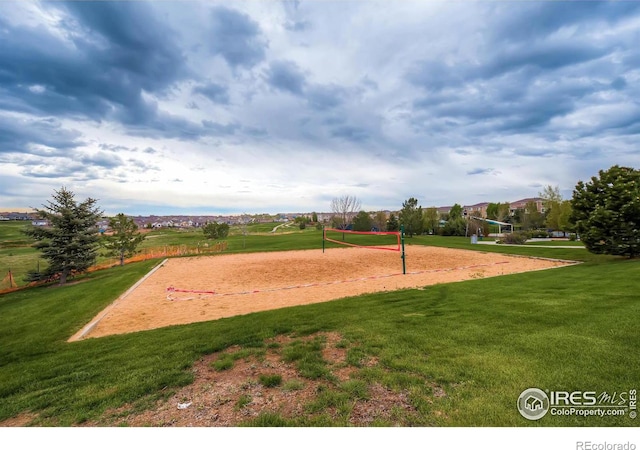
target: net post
323 237
404 267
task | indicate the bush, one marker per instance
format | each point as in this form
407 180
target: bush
454 227
517 237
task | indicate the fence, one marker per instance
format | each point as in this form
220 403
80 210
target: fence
8 283
164 252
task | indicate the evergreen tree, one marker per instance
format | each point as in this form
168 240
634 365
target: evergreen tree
392 223
411 217
70 244
455 212
362 222
606 212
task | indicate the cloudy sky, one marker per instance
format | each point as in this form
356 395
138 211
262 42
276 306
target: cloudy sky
267 106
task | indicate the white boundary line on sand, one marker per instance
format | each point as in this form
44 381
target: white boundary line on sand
91 325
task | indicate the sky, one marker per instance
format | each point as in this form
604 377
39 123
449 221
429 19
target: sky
271 106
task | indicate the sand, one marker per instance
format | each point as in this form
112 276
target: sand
196 289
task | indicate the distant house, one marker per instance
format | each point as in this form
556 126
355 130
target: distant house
18 216
520 204
40 223
477 210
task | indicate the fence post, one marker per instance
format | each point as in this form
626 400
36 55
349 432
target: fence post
404 267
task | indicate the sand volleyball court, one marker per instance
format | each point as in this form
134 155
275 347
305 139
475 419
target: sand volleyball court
196 289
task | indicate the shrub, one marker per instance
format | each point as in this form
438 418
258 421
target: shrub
517 237
454 227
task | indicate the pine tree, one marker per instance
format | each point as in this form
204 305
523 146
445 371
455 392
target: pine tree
411 217
606 212
392 223
70 243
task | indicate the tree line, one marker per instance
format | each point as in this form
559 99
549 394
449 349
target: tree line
457 222
604 212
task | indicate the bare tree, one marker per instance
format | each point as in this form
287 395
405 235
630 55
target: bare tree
345 208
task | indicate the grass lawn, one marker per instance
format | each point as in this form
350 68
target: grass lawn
481 343
18 255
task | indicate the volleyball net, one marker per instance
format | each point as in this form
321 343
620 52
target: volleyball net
376 240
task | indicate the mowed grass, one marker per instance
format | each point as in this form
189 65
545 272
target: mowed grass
481 342
18 255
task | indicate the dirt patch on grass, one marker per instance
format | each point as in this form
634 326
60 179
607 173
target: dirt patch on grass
223 395
196 289
21 420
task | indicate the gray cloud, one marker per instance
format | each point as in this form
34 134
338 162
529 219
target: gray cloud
217 129
326 97
294 22
30 135
526 21
100 71
286 76
101 159
214 92
480 171
236 37
351 133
